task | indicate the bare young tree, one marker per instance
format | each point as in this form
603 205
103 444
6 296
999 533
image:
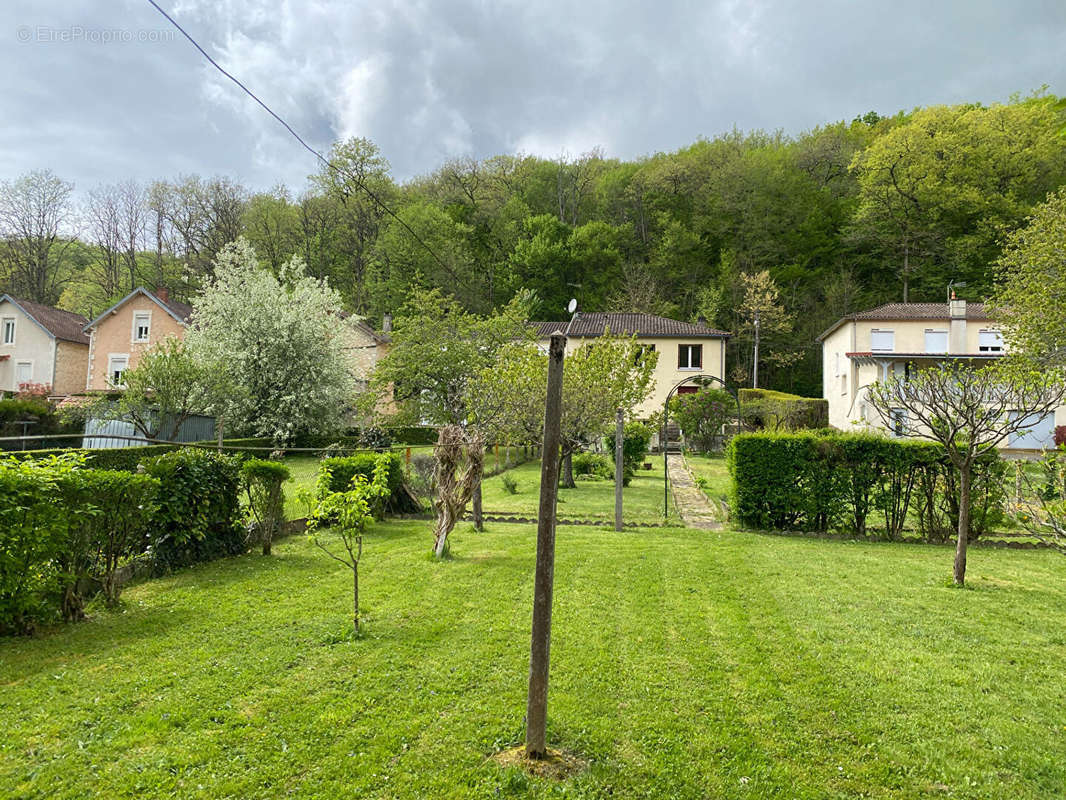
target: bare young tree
34 209
970 412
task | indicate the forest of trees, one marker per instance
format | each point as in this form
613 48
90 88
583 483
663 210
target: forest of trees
845 216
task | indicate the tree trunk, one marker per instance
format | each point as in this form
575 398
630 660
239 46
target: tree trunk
568 471
479 522
963 533
355 595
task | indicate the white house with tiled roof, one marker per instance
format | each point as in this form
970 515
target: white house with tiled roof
685 349
41 345
868 346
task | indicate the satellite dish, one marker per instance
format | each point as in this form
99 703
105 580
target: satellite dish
571 307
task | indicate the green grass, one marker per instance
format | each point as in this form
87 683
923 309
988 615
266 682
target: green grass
684 665
713 470
642 500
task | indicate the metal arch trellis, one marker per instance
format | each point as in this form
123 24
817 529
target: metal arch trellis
703 378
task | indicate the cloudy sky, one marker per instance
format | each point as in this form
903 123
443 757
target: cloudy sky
102 91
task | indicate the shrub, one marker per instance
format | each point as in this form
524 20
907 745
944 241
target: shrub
636 439
762 409
335 475
510 485
1060 435
199 514
593 464
262 481
702 416
106 523
822 480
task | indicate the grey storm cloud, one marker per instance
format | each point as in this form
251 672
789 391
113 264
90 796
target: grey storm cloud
103 91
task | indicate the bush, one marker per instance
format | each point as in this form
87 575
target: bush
593 464
823 480
636 439
108 514
702 416
199 514
1060 435
510 485
335 475
762 409
262 481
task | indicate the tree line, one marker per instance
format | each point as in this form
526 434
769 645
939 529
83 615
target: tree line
844 216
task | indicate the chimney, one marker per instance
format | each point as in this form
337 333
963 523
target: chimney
386 322
957 331
701 320
163 294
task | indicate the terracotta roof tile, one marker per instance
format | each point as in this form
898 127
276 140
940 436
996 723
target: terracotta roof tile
905 312
594 324
64 325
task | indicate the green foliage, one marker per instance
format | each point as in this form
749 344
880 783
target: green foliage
702 415
593 464
765 409
199 516
336 475
262 481
64 529
829 480
636 439
510 485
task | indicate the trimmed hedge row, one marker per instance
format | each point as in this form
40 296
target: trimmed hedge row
763 408
826 480
335 475
65 530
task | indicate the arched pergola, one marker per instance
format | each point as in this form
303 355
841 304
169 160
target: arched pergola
704 379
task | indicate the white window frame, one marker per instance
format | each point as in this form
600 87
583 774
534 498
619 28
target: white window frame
4 322
688 348
141 315
23 363
990 348
939 332
892 340
111 359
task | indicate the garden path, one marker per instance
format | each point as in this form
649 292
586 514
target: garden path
695 508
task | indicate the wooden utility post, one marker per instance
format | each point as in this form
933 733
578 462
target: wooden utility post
540 643
619 472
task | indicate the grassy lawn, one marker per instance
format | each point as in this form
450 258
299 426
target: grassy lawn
642 500
712 469
684 665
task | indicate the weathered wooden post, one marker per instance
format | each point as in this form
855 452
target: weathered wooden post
540 643
619 472
407 456
479 517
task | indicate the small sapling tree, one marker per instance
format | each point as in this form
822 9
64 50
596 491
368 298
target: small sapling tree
347 514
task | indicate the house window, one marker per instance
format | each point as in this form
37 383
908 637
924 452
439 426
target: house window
141 325
642 351
843 384
116 368
9 330
990 341
23 372
936 341
882 341
690 356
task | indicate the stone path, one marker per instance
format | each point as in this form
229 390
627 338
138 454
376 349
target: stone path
695 509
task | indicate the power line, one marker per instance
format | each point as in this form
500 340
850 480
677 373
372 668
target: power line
342 173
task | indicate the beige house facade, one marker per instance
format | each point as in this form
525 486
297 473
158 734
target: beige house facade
895 338
120 336
41 345
363 348
686 350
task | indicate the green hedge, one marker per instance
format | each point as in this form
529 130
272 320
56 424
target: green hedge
765 409
335 475
825 480
199 514
63 531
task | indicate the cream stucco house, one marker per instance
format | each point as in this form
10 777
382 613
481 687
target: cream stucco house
122 334
685 349
43 345
895 338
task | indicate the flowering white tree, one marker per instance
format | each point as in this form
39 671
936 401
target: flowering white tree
280 340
